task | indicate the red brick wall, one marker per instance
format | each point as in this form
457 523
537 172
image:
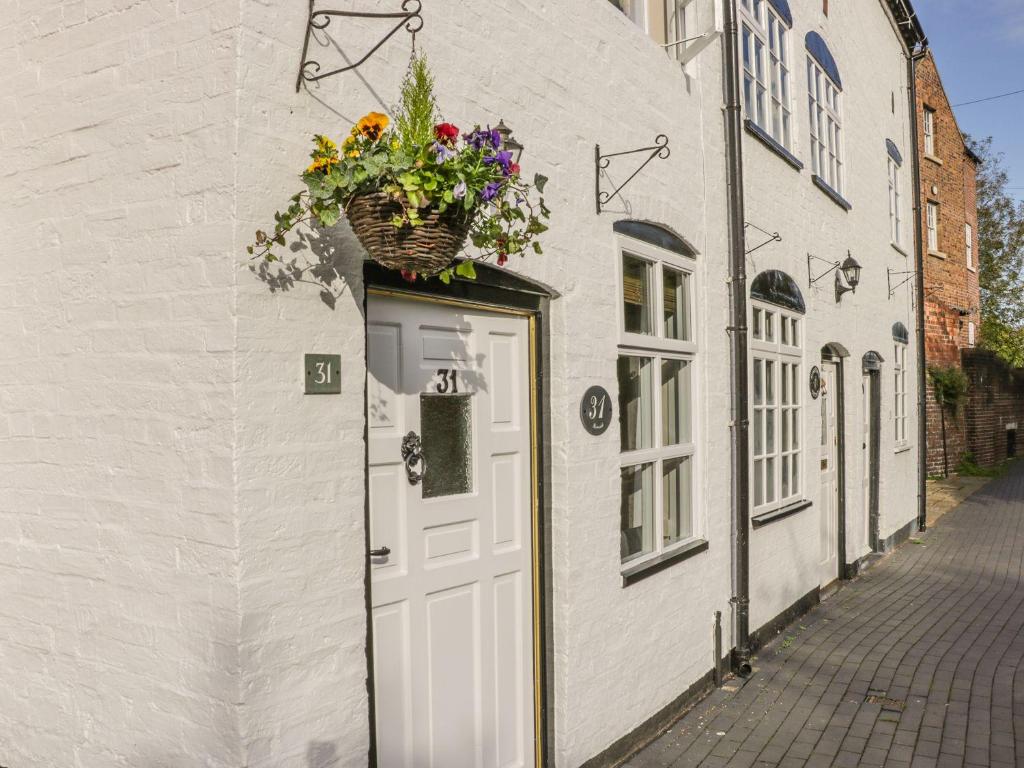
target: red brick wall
951 288
996 400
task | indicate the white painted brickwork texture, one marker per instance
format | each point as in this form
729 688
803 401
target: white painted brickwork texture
181 530
118 556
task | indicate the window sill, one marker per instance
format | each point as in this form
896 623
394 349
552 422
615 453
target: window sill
759 133
902 449
900 251
650 567
934 159
832 195
972 269
759 521
937 255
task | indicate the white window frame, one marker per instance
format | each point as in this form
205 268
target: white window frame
895 220
825 113
900 395
776 352
969 238
929 131
767 75
634 10
971 333
659 348
932 218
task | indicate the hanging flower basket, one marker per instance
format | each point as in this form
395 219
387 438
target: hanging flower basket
425 249
415 192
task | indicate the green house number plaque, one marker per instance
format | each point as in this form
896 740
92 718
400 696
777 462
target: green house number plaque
323 374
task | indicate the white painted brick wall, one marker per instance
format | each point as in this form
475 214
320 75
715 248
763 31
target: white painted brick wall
181 530
119 615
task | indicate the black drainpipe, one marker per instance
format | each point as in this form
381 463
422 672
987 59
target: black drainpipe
738 335
922 362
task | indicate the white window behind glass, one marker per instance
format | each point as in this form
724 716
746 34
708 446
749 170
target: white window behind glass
969 237
776 434
900 406
766 72
825 115
895 224
657 381
929 132
933 227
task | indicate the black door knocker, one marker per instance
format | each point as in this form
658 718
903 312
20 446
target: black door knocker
412 454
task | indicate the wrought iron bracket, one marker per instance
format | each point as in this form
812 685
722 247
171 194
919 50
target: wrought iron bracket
832 267
601 162
891 273
773 237
309 69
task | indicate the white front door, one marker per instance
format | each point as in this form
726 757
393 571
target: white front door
451 535
829 522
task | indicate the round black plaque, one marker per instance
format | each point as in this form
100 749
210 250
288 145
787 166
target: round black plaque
596 410
815 382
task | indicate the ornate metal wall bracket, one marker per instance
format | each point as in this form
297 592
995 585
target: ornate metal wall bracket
832 267
773 237
601 162
309 70
891 273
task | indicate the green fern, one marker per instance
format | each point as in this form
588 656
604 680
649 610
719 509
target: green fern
417 112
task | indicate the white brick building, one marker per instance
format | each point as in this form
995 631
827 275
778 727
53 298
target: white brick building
184 533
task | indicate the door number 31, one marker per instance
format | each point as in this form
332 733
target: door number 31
449 383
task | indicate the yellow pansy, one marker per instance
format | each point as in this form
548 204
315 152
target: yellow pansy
373 125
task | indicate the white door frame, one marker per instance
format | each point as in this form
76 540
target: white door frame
540 724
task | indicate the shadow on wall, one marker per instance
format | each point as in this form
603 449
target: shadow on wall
328 259
322 754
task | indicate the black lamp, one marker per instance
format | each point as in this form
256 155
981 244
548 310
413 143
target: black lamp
850 270
508 143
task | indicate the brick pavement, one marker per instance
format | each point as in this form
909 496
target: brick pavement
917 663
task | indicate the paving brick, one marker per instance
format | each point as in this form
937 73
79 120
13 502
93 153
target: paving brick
949 615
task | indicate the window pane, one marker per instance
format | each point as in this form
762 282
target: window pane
637 534
757 323
676 498
795 485
785 430
635 412
636 294
677 305
769 430
759 482
675 402
758 381
769 326
769 380
759 432
796 429
769 477
785 477
447 427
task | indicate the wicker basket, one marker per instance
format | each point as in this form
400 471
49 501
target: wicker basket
425 249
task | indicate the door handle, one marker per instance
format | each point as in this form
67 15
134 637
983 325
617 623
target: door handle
412 455
382 552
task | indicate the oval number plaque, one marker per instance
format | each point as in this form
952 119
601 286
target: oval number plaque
596 410
815 382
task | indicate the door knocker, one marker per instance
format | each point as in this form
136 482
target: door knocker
412 454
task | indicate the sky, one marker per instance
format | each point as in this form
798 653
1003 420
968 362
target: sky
979 46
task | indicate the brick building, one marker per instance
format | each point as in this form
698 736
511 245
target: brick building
949 225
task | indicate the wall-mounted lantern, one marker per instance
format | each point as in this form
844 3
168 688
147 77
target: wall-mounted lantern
508 142
847 274
850 270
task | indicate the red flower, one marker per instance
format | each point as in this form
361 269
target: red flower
502 258
446 133
409 277
513 168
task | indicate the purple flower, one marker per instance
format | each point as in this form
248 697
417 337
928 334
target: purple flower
490 191
460 190
504 159
443 153
481 138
